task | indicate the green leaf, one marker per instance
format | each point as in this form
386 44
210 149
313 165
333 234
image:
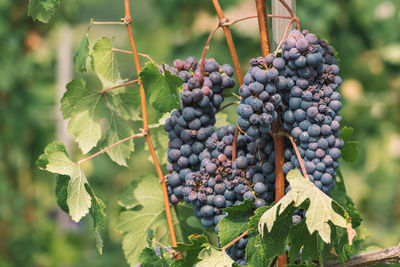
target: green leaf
104 62
148 258
211 256
62 191
81 54
160 139
148 213
127 199
162 88
253 223
99 217
87 108
350 150
318 214
42 10
55 159
255 255
300 238
190 251
235 223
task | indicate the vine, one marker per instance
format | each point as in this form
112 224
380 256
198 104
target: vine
267 229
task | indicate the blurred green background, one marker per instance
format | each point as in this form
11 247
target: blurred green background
35 62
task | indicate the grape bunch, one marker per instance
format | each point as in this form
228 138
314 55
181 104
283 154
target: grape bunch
190 125
260 95
311 115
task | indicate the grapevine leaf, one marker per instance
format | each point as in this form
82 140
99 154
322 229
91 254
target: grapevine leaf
190 251
253 223
62 192
211 256
127 199
300 238
350 149
160 139
55 159
99 217
340 196
149 258
235 223
104 62
81 54
163 88
148 213
318 214
42 10
87 108
255 255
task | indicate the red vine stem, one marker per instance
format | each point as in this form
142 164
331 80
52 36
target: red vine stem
207 47
107 23
235 240
230 104
229 40
118 86
284 36
234 145
279 17
238 20
296 149
130 52
276 126
291 13
128 20
111 146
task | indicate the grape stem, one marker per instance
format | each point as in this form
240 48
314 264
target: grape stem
294 17
234 145
128 21
230 23
117 86
229 41
207 47
107 23
227 105
236 239
130 52
284 36
296 149
111 146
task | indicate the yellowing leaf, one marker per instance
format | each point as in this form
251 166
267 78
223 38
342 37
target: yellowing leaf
318 214
211 256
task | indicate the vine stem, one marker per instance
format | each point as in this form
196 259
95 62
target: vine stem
238 20
229 40
291 13
128 21
111 146
276 125
207 47
284 36
230 104
130 52
118 86
235 240
107 23
296 150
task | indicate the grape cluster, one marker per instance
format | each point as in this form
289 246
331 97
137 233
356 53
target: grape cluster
190 125
260 95
311 115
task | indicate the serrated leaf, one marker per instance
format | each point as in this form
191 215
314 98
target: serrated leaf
104 62
318 214
42 10
211 256
127 198
162 88
190 251
149 213
55 159
148 258
81 54
350 150
255 255
87 108
235 223
62 192
98 240
300 238
253 222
